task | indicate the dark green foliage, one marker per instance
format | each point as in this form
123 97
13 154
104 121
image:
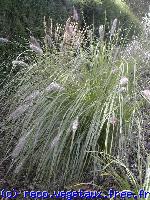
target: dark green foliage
105 11
19 18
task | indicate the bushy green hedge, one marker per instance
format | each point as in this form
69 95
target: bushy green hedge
21 17
17 19
105 11
18 16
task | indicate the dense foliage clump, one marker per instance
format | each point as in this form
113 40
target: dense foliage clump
73 102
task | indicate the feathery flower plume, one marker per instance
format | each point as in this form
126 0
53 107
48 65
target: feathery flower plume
17 62
113 27
77 43
36 49
18 168
55 141
75 124
48 40
34 41
32 96
101 32
113 120
75 14
19 111
69 29
4 40
35 45
124 81
54 87
70 32
19 146
146 93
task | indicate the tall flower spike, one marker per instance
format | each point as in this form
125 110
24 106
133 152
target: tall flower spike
69 29
34 41
35 46
75 14
69 33
19 147
36 49
48 40
75 124
101 32
113 27
55 141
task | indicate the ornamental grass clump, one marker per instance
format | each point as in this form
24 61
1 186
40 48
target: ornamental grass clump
120 177
77 109
35 46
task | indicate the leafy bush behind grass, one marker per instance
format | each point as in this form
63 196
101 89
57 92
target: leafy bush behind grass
19 18
105 11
